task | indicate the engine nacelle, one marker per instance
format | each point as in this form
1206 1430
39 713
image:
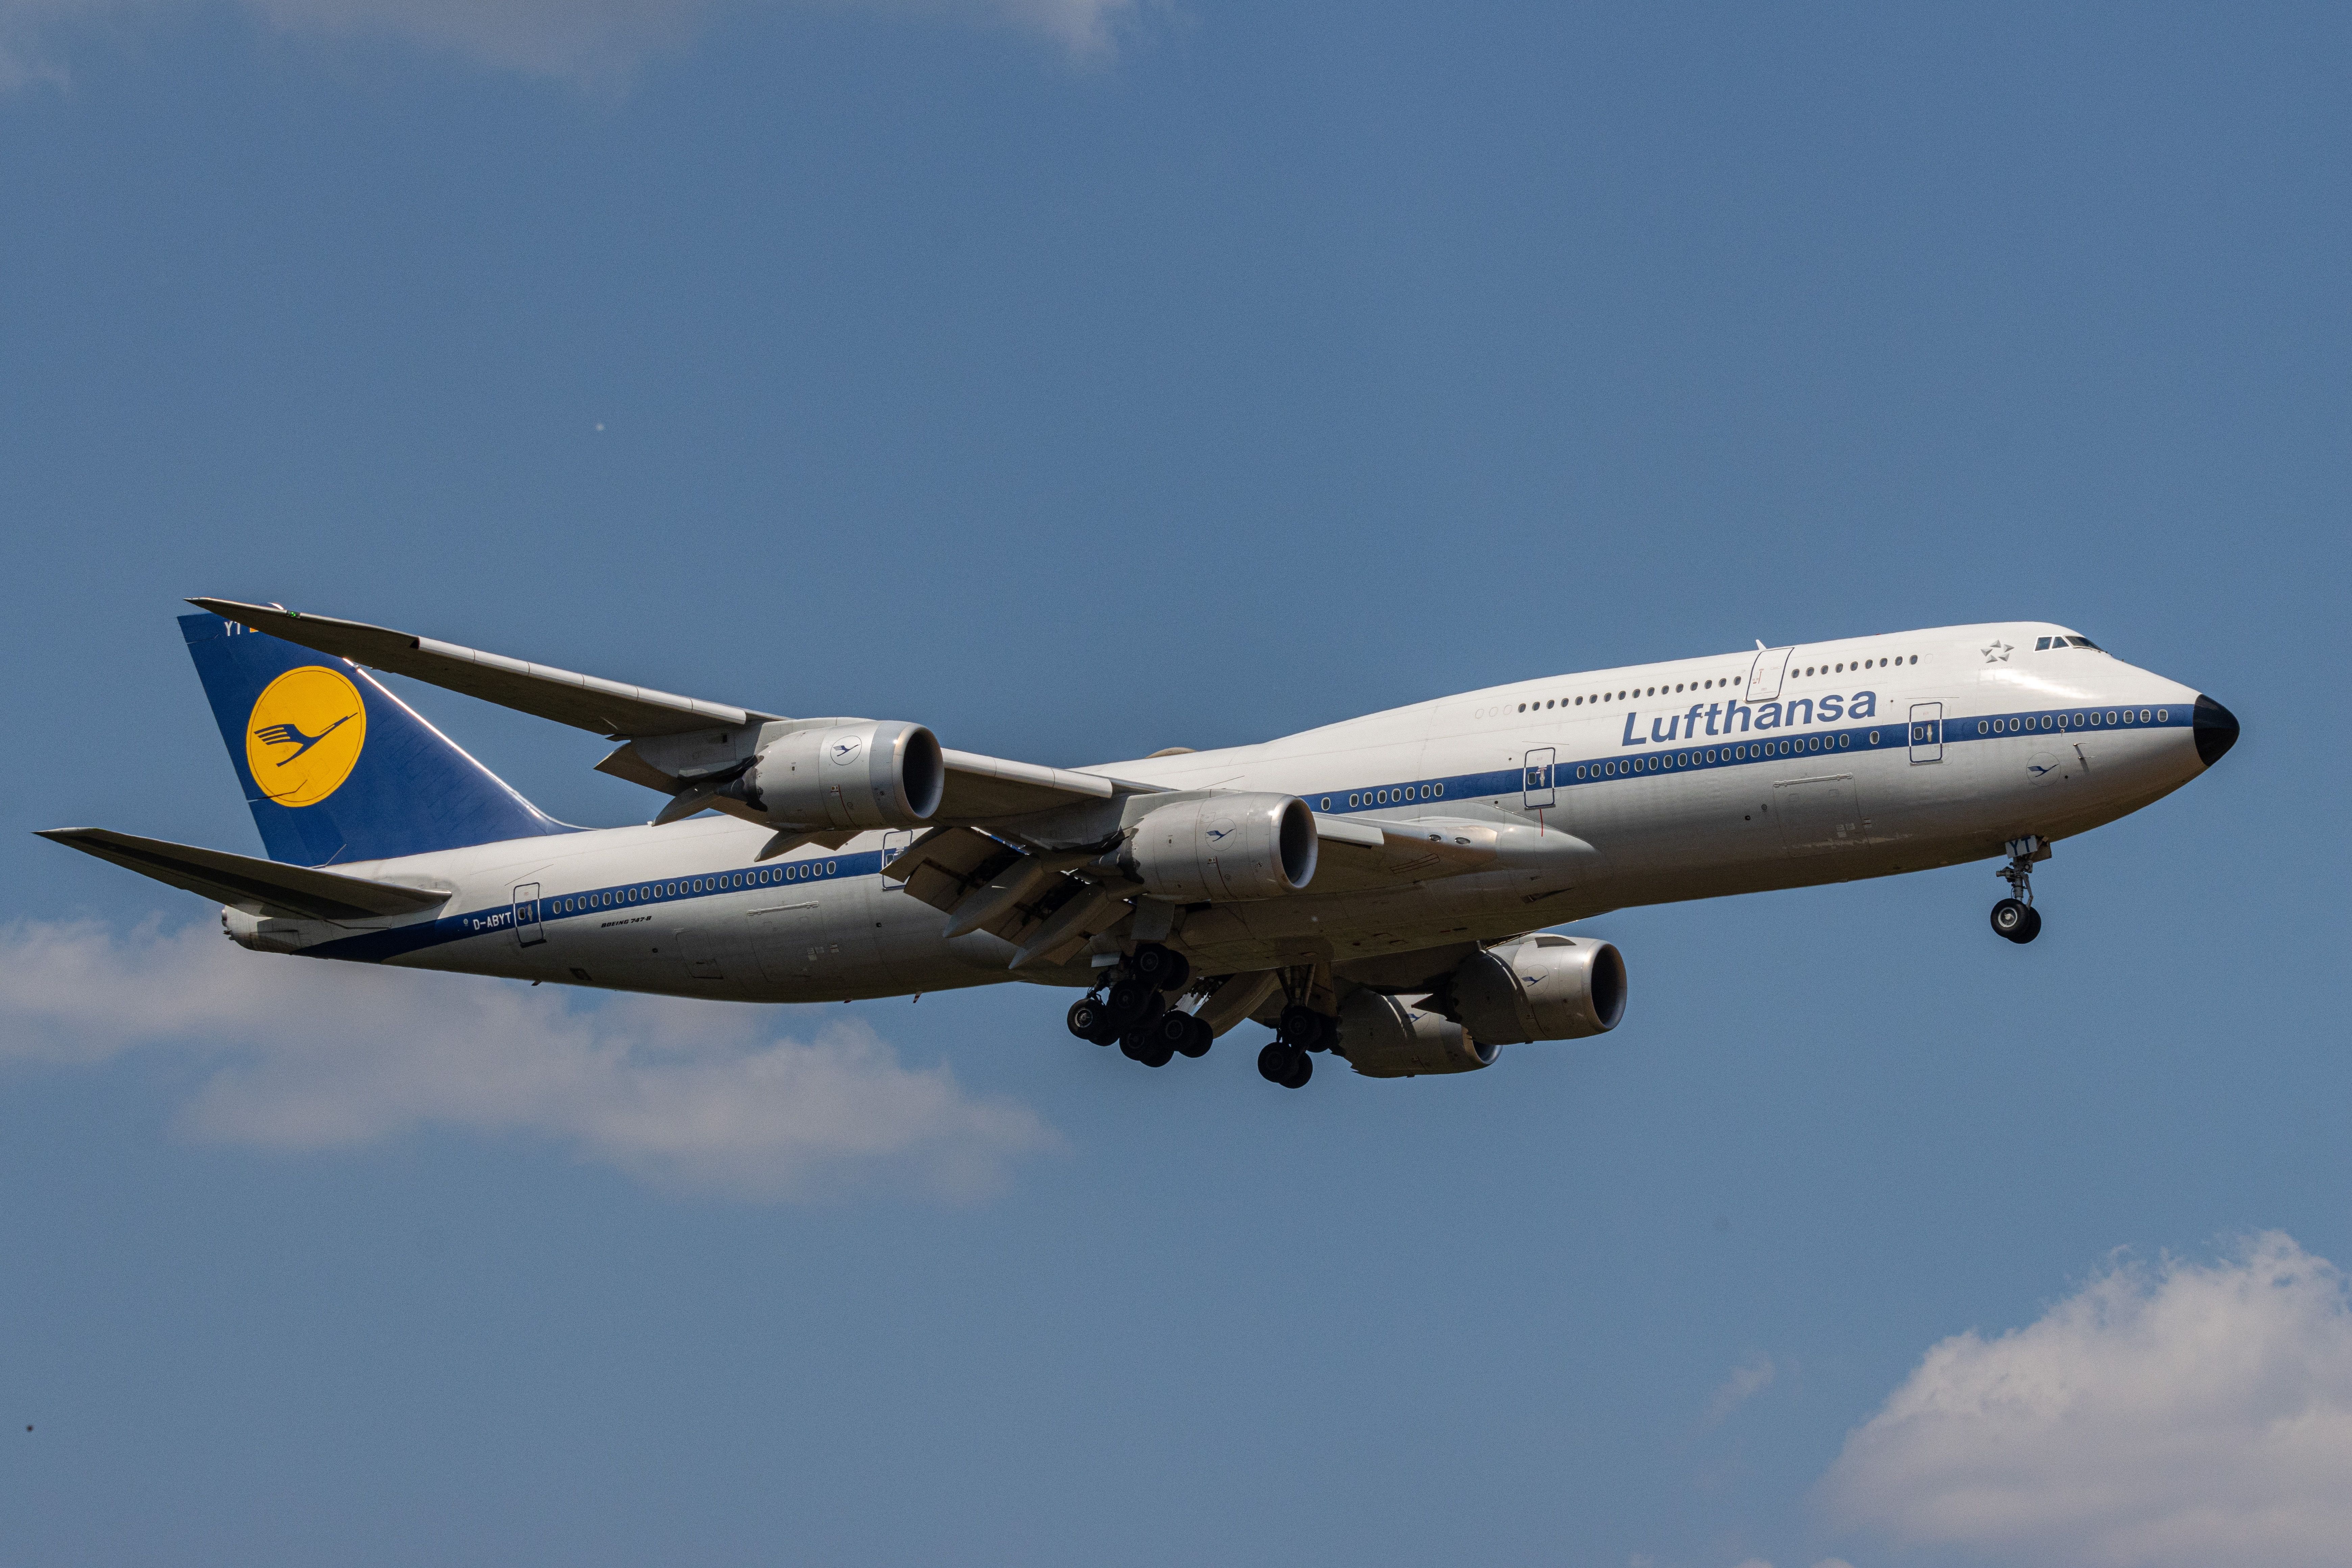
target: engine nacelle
1392 1036
1231 847
1546 988
870 773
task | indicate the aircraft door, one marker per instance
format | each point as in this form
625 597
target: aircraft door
1764 675
1926 732
1538 789
529 933
895 843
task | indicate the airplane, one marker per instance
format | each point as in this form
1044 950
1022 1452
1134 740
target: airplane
1386 890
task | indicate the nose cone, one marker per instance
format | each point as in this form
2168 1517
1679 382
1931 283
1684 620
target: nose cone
2216 729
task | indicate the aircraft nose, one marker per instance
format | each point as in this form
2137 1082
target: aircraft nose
2216 729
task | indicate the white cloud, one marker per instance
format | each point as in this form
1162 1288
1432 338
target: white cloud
2184 1416
576 40
1746 1381
297 1054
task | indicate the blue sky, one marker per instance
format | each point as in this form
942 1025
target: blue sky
1081 378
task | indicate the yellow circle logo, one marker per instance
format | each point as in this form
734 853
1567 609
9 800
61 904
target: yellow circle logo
305 735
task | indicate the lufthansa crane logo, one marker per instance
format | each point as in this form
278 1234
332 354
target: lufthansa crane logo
304 735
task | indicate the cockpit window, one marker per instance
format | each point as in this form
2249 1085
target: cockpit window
2086 642
2042 643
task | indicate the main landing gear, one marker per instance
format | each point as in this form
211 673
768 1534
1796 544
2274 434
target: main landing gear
1286 1061
2015 918
1136 1014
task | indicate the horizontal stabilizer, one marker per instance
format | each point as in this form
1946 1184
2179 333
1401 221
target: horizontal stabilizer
585 702
257 886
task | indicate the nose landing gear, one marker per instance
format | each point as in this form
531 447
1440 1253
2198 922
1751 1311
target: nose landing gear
2015 918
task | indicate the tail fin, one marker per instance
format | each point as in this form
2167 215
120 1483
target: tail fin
335 767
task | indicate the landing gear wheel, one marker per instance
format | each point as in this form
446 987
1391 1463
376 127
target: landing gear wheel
1172 1032
1299 1075
1087 1017
1131 1002
2017 920
1278 1060
1160 968
1303 1026
2014 917
1198 1036
1145 1046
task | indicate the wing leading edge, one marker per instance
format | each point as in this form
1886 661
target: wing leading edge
671 743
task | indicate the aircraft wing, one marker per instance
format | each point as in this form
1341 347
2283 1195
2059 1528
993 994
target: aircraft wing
584 701
993 789
257 886
980 789
1046 904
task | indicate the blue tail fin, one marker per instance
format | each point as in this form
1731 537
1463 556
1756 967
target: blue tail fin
335 767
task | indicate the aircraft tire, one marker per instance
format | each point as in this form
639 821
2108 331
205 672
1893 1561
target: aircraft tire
1160 968
1130 1002
1303 1026
1086 1017
1301 1073
1198 1036
1277 1060
2014 921
1145 1046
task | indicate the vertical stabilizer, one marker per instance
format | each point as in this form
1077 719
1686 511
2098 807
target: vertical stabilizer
335 767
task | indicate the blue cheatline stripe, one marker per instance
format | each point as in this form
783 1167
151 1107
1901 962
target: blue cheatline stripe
591 903
1741 750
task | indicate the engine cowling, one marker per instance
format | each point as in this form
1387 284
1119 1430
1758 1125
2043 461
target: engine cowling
1393 1037
870 773
1231 847
1546 988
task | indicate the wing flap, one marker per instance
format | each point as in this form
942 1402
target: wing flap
257 886
944 865
584 701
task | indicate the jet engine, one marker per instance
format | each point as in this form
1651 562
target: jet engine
1393 1037
1546 988
1231 847
870 773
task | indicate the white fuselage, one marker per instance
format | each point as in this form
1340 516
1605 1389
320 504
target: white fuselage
1708 776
